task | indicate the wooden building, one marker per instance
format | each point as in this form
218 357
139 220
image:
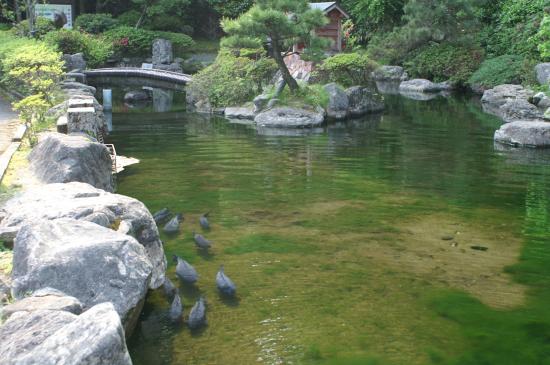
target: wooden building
333 30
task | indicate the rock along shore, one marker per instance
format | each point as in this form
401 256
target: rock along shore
84 258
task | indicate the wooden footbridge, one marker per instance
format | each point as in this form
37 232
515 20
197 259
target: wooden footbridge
150 77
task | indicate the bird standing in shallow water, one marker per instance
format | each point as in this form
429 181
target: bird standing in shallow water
176 309
197 316
204 221
201 242
225 284
185 271
174 225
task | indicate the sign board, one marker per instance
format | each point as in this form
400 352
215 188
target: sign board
147 66
47 11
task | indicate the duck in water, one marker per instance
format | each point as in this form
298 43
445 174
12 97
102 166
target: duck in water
185 271
174 225
203 220
225 284
176 309
197 316
201 242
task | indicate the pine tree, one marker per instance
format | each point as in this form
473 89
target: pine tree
280 23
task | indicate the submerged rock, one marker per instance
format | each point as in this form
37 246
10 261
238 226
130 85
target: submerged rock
524 133
289 117
60 158
137 96
83 260
84 202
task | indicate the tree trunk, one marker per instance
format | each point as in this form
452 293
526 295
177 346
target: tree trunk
290 81
17 9
142 17
30 16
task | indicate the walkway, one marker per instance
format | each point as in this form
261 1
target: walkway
8 124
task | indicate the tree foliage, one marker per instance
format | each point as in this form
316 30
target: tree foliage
282 23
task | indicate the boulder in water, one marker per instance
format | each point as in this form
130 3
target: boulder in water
524 134
289 117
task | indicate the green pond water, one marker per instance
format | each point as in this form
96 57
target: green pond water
400 238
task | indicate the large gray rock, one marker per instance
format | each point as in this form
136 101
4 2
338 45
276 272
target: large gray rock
23 332
390 73
500 94
162 52
74 62
524 134
137 96
289 117
243 112
542 70
424 86
60 338
338 102
519 109
48 299
363 100
510 102
60 158
84 202
83 260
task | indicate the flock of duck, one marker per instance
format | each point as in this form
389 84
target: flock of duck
187 274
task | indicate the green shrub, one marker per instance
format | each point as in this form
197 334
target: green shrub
95 23
96 49
231 80
346 69
506 69
31 67
517 24
42 27
138 42
312 95
442 62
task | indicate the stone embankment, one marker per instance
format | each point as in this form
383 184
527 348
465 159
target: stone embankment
83 257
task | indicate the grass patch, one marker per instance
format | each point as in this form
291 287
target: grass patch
267 243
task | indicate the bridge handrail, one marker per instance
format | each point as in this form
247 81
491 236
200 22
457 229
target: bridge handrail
139 72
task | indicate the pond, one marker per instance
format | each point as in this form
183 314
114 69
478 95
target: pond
400 238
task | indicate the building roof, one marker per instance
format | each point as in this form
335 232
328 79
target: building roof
327 7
